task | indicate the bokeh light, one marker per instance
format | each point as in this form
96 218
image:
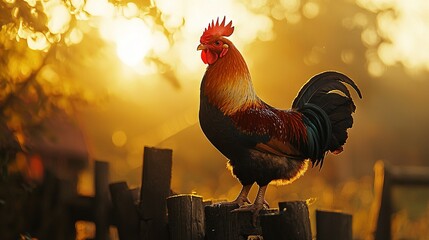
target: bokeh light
37 41
119 138
400 35
59 16
311 9
100 8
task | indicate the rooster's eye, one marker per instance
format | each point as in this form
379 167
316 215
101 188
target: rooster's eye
217 43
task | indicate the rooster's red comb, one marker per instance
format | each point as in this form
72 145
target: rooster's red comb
215 30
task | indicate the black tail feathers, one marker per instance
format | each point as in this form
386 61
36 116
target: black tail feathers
327 106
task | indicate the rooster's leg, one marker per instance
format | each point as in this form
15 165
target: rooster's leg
242 196
259 204
241 199
260 198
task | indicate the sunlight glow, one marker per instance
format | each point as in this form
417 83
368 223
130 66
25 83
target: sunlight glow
287 9
100 8
32 3
59 18
311 10
401 33
139 38
74 37
37 41
133 40
78 4
186 20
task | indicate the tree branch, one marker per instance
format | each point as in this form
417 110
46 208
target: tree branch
26 83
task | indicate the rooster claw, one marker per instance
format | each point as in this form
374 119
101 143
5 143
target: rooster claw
239 202
250 208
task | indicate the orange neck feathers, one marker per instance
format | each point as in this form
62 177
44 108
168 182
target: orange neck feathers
227 83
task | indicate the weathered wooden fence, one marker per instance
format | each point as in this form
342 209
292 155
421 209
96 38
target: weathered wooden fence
386 177
135 218
189 217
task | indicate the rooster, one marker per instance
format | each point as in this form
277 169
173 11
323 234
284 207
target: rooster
263 143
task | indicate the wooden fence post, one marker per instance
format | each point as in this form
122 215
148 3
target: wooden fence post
125 211
222 224
333 225
383 185
101 200
156 179
385 178
291 223
186 217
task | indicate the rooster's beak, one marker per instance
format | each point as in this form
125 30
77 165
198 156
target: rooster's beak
201 47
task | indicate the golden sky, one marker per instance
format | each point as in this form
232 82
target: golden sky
284 43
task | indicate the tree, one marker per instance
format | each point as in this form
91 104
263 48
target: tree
38 45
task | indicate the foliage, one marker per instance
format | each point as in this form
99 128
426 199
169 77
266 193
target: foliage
31 89
39 62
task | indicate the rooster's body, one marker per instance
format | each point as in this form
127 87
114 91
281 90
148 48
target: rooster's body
263 143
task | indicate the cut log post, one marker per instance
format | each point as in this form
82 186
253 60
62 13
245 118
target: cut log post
292 222
245 224
125 211
221 223
101 200
333 225
186 217
156 179
207 203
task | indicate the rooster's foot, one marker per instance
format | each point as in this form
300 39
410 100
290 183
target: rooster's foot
255 207
241 199
240 202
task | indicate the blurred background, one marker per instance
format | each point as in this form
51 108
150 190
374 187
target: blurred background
100 79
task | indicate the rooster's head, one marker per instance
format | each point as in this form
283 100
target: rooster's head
213 45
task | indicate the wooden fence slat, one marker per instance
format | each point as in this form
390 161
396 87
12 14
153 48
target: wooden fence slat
409 175
333 225
186 217
101 200
292 222
125 211
156 179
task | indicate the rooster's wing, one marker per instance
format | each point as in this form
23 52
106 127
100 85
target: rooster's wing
270 130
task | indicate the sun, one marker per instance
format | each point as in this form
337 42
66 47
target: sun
133 40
